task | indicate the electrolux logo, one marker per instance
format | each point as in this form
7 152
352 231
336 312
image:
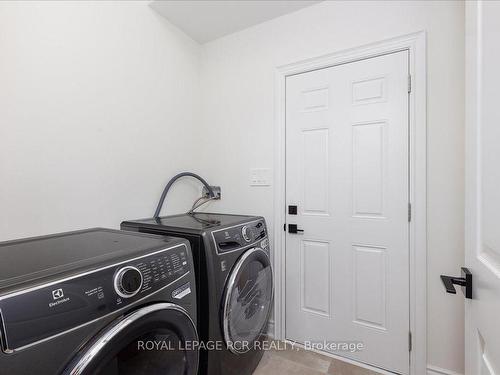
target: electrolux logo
58 296
58 293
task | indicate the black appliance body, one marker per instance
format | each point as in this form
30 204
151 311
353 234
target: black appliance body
97 301
234 283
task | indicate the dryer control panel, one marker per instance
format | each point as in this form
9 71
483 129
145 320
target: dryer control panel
33 315
234 238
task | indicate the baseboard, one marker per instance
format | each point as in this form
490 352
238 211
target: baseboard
434 370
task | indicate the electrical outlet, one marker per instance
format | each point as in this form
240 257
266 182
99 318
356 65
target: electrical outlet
216 190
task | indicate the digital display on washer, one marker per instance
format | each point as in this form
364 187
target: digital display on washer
36 314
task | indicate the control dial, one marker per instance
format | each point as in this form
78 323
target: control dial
246 233
128 282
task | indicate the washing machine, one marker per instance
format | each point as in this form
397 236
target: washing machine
98 301
234 281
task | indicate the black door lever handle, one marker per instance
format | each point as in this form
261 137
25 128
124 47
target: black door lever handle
292 228
465 282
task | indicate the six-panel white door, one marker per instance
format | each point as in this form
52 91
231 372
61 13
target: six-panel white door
347 274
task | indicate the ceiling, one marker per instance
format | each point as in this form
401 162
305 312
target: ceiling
206 20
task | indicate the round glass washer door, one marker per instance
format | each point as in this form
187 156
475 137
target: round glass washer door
247 300
149 341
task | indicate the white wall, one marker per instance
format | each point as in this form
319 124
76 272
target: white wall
237 109
98 105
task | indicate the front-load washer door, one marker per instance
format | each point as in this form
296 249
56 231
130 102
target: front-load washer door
247 300
153 340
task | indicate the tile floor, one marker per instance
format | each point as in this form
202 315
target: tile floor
295 361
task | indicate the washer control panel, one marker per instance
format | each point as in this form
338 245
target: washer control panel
239 236
162 268
80 299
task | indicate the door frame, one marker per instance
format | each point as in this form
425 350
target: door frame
415 43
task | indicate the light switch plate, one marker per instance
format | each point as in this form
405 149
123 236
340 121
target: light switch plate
260 177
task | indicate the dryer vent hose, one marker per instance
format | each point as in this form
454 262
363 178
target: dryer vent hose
171 182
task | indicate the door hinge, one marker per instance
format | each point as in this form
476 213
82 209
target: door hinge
409 342
409 83
284 227
409 212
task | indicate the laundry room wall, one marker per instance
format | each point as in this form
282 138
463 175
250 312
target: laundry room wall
98 105
237 83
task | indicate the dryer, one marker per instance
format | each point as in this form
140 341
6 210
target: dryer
234 283
97 301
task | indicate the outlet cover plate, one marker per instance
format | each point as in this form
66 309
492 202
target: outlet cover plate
216 189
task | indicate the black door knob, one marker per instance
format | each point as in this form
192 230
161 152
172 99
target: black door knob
292 228
465 282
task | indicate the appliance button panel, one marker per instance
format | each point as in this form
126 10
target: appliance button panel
240 236
163 269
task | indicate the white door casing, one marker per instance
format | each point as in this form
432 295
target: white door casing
482 234
347 170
